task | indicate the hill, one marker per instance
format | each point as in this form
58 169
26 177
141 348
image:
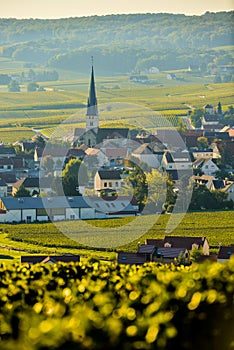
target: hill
120 43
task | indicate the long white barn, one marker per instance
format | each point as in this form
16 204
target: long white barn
30 209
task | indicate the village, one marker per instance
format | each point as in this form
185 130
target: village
32 175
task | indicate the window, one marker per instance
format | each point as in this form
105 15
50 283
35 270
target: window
110 184
105 184
72 217
41 212
116 184
28 219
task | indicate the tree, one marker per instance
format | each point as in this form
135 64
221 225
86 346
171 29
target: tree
14 86
22 192
157 189
196 116
202 142
181 125
74 175
32 87
48 163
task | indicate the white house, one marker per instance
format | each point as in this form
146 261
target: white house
107 180
176 160
207 166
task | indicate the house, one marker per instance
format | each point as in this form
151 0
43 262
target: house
204 153
7 152
49 259
139 79
206 166
176 160
189 243
169 255
75 153
32 209
225 253
181 242
6 165
177 164
9 179
211 118
107 180
115 156
130 258
148 253
203 179
150 154
229 189
3 188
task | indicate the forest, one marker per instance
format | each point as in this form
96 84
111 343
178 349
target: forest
121 43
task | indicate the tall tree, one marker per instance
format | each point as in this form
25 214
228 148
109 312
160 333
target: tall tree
74 175
22 192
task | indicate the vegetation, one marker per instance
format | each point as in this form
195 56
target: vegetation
217 226
181 41
22 192
110 306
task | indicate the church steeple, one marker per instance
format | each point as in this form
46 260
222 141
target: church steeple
92 120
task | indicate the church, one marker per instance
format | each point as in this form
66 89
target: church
93 135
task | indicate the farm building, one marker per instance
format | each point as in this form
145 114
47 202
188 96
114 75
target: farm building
33 209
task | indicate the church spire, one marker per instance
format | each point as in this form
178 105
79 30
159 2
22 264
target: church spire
92 109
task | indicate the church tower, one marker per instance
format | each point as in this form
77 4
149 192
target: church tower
92 120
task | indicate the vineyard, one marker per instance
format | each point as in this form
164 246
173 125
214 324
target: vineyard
217 227
63 99
112 307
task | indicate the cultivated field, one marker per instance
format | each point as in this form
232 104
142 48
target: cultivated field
217 227
65 98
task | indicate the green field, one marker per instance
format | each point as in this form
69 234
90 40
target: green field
66 98
218 227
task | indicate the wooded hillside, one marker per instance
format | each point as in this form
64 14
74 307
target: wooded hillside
120 43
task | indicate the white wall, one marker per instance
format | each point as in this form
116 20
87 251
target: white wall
72 211
88 213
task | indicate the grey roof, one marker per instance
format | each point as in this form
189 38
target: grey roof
92 109
225 252
118 206
109 175
45 202
185 242
7 150
168 252
155 242
131 258
146 249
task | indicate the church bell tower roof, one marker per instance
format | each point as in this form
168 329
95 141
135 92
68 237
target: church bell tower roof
92 109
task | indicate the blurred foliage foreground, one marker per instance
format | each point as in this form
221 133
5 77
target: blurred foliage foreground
111 306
